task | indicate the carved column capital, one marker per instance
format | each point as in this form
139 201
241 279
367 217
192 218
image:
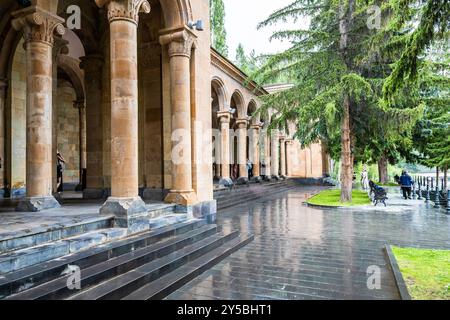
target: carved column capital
125 9
256 127
242 123
38 25
224 116
180 42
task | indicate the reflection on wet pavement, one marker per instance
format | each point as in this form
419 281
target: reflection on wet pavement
308 253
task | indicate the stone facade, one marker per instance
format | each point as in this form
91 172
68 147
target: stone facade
132 108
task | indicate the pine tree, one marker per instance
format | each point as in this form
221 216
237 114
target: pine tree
218 32
340 68
433 132
431 18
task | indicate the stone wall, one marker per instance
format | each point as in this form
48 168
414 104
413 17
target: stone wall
68 138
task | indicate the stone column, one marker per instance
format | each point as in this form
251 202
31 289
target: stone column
38 27
254 155
283 156
123 16
180 43
267 158
224 120
3 85
242 125
80 106
275 159
92 66
289 145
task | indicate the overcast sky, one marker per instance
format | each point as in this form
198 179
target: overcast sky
242 18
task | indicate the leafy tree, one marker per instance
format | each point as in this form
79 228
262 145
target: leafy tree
432 18
433 132
218 32
339 67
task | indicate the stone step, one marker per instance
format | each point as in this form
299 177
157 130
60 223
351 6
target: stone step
38 236
91 276
16 282
251 186
20 259
164 286
231 200
125 284
251 191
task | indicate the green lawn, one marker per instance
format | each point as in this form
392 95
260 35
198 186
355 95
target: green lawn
332 198
389 184
426 272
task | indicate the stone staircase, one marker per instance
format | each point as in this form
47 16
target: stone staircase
241 194
18 251
147 266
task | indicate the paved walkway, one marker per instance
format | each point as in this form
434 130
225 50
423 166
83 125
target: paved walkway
307 253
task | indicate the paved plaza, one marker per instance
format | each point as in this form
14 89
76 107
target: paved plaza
301 252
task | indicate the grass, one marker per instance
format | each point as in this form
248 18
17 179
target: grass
426 272
389 184
332 198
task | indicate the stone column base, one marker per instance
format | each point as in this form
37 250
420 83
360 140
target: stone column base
184 198
125 210
204 210
226 182
93 193
276 178
36 204
267 178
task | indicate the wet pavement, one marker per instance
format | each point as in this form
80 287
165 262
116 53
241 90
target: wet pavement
301 252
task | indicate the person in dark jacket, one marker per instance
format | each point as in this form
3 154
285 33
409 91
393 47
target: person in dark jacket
406 183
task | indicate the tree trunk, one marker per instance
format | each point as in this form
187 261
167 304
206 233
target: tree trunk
346 154
445 178
345 23
383 169
437 176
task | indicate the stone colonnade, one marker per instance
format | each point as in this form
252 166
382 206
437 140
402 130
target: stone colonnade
274 160
40 28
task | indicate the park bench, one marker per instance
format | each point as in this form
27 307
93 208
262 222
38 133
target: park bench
378 194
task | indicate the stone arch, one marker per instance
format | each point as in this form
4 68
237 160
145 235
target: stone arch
71 67
251 109
220 89
176 12
238 102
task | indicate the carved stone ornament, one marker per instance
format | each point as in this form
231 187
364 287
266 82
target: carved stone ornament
180 42
38 25
125 9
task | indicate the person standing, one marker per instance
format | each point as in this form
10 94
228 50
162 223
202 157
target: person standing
406 183
365 179
249 169
60 166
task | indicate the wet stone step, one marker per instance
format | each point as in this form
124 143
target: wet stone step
18 281
39 236
20 259
93 275
161 288
125 284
